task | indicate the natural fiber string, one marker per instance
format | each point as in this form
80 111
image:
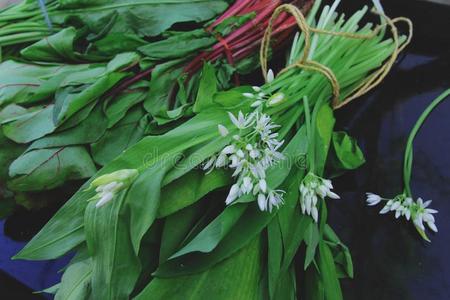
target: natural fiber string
372 81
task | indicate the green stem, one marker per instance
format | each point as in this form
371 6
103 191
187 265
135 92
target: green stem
408 158
309 135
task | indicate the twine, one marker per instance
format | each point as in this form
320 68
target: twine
367 84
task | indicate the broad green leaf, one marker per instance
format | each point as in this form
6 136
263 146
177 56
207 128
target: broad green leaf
341 253
190 188
238 277
324 129
121 61
312 238
45 169
12 112
347 154
31 126
75 282
143 199
294 154
178 45
122 136
197 156
313 287
275 255
328 273
212 234
115 265
162 81
176 228
19 80
125 16
250 224
207 88
9 151
287 287
55 48
120 105
87 131
70 100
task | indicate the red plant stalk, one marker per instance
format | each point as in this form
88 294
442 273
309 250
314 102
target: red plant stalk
237 45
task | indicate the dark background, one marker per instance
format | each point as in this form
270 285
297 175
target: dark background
390 259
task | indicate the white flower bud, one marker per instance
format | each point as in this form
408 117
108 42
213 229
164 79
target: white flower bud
270 76
275 100
222 130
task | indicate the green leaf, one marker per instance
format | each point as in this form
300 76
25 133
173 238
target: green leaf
45 169
347 154
195 157
115 265
207 88
55 48
70 99
238 277
178 45
250 224
87 131
312 238
31 126
11 112
328 273
341 253
120 105
324 126
163 79
192 186
143 199
121 61
176 228
122 136
208 239
275 255
294 154
75 282
8 153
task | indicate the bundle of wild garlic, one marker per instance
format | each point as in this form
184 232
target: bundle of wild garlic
146 226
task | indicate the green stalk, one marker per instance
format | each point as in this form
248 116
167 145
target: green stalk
408 158
21 38
310 135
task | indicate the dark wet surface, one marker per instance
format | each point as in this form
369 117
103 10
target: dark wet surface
390 260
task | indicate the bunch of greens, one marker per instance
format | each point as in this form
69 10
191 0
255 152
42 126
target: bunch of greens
119 22
68 112
149 226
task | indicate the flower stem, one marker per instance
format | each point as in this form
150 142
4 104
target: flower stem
408 158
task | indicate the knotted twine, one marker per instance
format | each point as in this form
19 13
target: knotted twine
367 84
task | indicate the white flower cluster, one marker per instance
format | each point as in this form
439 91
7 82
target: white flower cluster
417 211
250 154
312 188
108 185
261 97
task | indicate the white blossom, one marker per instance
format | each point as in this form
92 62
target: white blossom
311 190
373 199
108 185
249 154
415 211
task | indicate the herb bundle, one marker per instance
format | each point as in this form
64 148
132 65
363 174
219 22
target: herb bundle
148 225
62 120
